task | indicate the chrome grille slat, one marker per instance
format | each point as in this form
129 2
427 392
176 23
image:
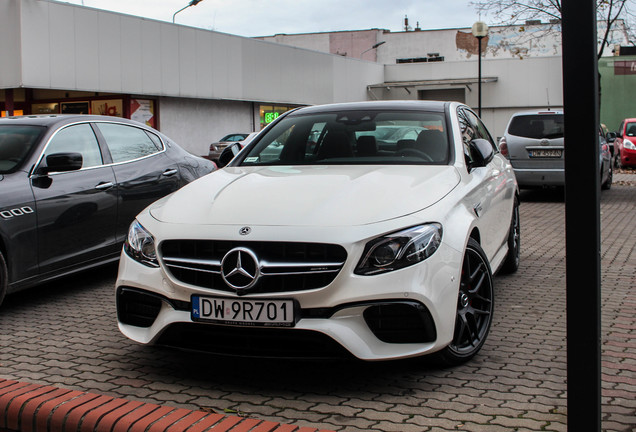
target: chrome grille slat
192 261
173 266
284 266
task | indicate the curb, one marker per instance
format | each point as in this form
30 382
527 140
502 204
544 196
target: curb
26 407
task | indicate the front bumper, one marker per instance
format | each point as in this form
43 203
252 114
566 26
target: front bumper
405 313
628 157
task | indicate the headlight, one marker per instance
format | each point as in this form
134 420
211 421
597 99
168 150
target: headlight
628 144
401 249
140 245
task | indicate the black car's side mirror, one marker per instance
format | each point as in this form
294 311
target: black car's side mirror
610 137
61 162
228 154
481 151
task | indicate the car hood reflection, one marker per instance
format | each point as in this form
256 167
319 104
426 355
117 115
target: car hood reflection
308 195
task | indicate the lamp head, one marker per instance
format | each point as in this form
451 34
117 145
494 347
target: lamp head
480 29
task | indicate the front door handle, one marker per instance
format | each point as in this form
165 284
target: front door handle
169 172
104 186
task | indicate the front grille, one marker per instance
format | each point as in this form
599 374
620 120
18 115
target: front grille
252 342
283 266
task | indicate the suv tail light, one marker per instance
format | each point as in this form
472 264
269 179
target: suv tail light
503 147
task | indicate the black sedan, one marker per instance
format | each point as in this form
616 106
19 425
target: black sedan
70 185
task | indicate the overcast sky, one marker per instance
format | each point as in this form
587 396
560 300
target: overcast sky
268 17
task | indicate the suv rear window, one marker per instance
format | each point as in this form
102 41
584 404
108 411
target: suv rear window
538 126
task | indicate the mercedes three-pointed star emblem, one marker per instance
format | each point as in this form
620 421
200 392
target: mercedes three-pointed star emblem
240 268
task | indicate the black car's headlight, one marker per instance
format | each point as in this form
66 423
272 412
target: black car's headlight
140 245
400 249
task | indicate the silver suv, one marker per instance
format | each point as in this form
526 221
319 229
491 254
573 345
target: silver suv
533 142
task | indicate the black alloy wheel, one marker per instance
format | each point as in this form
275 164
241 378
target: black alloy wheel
4 278
475 306
513 257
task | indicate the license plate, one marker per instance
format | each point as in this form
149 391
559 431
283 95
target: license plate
547 153
249 312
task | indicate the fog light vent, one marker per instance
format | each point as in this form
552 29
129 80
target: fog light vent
137 308
403 322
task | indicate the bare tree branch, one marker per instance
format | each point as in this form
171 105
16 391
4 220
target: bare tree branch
509 12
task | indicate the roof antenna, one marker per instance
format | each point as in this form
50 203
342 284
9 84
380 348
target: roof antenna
547 95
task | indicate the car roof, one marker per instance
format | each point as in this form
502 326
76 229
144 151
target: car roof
436 106
538 112
50 120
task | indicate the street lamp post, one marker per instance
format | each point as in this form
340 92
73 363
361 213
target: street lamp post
192 3
480 31
372 48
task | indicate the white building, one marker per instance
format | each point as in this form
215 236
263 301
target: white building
194 85
197 85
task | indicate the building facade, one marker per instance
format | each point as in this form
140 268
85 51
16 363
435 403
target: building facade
197 85
194 85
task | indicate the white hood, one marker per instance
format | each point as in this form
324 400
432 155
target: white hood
307 195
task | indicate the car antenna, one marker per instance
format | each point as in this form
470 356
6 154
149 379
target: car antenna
547 96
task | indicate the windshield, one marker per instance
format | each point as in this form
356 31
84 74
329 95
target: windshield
16 143
538 126
630 129
354 137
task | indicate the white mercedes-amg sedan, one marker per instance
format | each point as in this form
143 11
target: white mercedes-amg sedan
325 237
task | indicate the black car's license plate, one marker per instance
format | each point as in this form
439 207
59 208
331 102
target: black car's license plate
547 153
251 312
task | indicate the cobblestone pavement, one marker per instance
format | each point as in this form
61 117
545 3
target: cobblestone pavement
65 334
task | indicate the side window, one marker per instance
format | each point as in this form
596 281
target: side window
155 139
468 134
127 143
77 139
480 129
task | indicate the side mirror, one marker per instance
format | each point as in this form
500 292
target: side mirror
228 154
610 137
481 152
61 162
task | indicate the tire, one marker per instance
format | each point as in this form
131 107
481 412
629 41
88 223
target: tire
513 257
4 278
475 306
608 183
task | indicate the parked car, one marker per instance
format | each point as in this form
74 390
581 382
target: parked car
625 143
605 161
332 249
533 141
610 139
217 147
70 185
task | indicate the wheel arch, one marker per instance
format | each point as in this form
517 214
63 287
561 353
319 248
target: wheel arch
475 235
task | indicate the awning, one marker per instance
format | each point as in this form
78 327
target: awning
406 85
434 82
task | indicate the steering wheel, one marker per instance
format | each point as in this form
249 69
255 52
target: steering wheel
415 153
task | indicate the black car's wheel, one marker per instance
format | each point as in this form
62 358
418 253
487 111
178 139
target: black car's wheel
607 184
617 159
4 277
513 257
475 306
